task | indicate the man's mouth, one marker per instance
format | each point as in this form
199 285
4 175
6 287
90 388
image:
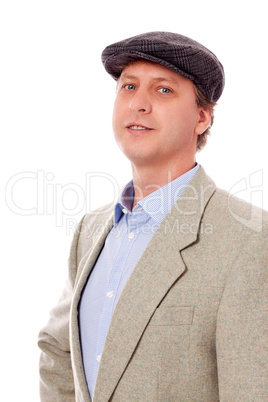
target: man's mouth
138 128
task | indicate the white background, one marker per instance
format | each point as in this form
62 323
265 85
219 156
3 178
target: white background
56 104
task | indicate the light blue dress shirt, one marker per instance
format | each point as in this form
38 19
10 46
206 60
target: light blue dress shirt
123 247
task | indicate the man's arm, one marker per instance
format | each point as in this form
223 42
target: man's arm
56 376
241 351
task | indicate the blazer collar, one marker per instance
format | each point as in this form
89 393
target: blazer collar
158 268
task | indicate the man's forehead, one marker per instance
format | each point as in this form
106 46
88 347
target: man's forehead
140 62
157 72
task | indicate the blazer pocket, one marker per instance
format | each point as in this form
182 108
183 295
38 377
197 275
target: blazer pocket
173 316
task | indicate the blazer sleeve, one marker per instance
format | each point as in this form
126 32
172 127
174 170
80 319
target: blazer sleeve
56 376
240 341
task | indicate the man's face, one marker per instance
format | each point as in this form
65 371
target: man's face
156 120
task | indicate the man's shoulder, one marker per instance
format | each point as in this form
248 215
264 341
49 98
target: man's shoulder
237 213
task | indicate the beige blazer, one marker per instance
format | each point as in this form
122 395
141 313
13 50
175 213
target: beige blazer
189 325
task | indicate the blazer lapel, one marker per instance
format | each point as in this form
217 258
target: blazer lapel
85 266
158 268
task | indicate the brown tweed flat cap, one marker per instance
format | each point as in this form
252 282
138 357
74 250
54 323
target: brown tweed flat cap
177 52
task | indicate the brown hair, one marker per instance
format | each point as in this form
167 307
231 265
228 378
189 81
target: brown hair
205 103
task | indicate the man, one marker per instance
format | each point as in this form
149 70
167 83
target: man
165 296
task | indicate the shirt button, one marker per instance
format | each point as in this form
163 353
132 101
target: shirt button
124 211
131 235
110 294
99 358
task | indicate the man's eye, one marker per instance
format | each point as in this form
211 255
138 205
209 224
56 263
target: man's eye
164 90
129 87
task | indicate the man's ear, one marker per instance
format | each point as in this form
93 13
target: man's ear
203 120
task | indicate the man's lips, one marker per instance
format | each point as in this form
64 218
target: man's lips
137 127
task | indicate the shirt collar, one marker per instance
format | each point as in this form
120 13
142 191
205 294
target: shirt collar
124 202
156 204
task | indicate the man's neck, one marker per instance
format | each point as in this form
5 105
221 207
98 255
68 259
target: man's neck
148 179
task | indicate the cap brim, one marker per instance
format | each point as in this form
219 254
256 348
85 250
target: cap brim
115 63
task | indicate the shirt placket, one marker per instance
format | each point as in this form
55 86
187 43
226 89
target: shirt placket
114 281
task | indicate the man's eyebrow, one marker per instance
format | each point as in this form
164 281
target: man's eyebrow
123 75
167 79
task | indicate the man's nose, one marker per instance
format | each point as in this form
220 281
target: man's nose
140 102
